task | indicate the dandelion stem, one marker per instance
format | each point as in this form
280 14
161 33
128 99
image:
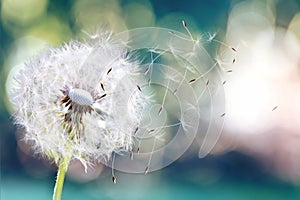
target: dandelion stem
61 172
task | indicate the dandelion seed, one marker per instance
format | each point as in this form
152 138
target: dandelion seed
147 70
187 30
160 110
275 108
207 82
222 115
224 44
233 61
229 71
223 82
192 80
136 130
146 170
183 23
114 180
110 69
139 88
102 86
102 96
151 130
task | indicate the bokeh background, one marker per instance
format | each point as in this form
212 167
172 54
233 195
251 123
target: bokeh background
258 154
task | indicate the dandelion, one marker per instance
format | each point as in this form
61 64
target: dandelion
67 101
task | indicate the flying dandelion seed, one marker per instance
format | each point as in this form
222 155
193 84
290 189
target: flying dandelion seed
274 108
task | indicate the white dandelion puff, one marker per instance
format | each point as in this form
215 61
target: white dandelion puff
67 101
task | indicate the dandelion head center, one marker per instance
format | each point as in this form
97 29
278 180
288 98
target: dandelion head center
78 102
81 97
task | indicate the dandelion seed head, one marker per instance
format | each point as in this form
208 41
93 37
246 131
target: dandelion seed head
66 113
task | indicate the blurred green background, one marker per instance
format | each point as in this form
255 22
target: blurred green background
237 169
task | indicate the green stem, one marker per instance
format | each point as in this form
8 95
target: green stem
62 169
